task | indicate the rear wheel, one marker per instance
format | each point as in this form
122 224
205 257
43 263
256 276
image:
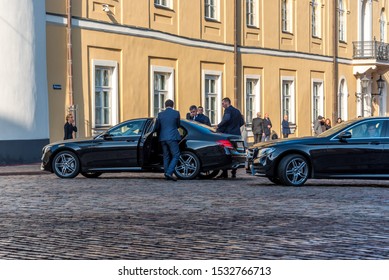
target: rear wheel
209 174
91 174
66 164
188 166
293 170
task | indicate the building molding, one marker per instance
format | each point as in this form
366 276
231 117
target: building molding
159 35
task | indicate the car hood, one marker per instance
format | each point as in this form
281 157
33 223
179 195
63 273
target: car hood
294 141
72 141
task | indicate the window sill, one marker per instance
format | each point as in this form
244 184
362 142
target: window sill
163 7
212 20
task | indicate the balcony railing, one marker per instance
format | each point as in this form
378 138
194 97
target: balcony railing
371 49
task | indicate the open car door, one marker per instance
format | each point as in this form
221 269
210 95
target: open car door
150 153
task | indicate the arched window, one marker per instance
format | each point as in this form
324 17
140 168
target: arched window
342 100
383 26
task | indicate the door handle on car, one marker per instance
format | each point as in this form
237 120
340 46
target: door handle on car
374 142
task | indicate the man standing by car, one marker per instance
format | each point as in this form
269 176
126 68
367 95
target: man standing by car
201 117
267 125
167 125
257 128
231 123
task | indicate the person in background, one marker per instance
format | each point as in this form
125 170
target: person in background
257 128
318 125
285 127
167 124
267 125
339 120
231 123
201 118
327 124
192 115
70 128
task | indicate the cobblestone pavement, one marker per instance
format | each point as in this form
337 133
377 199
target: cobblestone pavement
142 216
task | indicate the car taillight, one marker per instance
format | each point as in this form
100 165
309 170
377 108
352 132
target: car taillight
225 143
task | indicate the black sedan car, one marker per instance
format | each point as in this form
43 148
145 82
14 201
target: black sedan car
133 146
357 149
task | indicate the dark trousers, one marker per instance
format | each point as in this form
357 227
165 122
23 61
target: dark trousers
171 155
257 138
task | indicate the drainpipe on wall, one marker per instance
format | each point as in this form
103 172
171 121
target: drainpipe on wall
335 62
72 108
235 54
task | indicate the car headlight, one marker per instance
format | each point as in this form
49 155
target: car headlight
265 151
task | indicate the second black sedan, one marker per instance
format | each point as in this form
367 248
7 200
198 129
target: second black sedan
357 149
133 146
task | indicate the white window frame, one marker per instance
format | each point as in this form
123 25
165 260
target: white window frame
383 26
292 109
163 3
114 91
219 91
342 99
287 16
316 18
342 21
169 72
252 13
256 94
208 4
320 96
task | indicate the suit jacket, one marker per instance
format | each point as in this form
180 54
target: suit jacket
167 125
201 118
266 129
231 122
257 126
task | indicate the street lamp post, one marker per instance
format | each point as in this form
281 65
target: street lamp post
365 84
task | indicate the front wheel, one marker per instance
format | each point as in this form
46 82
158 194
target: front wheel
293 170
66 164
188 166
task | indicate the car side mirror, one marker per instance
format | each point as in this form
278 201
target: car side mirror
345 135
107 136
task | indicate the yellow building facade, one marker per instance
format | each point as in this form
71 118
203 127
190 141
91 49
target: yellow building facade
120 59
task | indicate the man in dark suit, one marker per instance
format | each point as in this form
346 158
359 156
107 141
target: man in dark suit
201 117
167 125
231 123
232 119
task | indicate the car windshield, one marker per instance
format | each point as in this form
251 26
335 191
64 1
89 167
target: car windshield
335 128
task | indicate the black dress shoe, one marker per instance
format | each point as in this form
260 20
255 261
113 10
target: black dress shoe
222 176
170 177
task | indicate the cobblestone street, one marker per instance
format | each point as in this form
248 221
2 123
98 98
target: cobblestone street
142 216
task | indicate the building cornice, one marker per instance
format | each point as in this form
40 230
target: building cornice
190 42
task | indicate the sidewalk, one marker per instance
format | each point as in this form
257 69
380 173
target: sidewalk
25 169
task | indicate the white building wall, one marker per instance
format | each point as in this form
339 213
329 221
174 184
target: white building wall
23 78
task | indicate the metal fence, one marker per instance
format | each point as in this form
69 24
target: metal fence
371 49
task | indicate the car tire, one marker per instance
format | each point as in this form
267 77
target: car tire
91 174
66 164
293 170
209 174
188 166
